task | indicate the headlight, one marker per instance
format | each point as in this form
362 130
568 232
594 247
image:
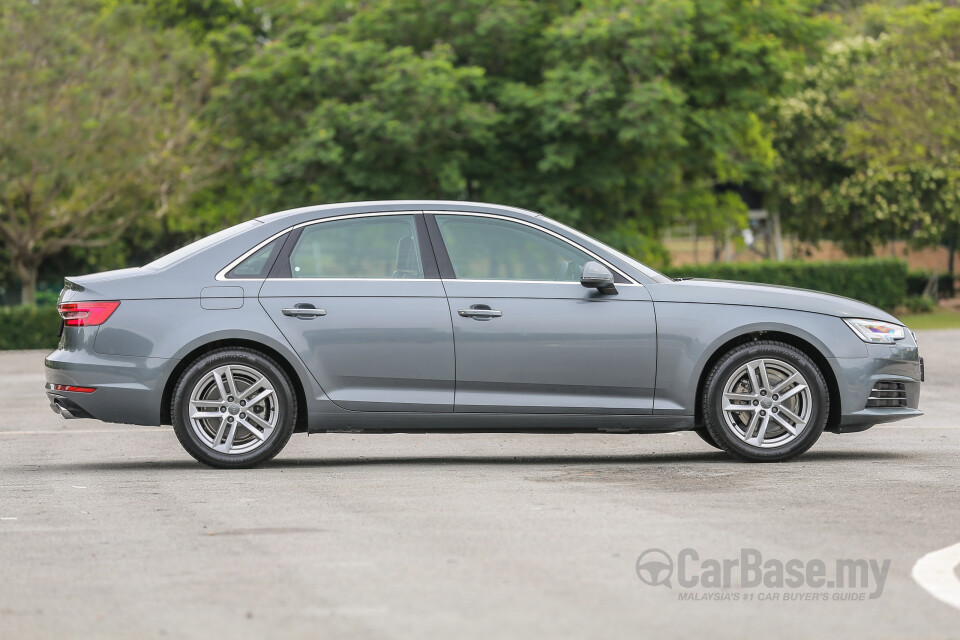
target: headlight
876 331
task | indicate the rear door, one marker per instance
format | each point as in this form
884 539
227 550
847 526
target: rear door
359 298
529 337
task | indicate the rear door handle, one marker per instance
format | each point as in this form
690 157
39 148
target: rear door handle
305 313
479 313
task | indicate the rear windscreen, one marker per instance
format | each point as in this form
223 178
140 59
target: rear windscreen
201 244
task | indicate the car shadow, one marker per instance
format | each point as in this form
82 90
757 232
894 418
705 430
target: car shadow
640 459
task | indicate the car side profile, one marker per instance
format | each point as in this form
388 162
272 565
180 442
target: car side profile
430 316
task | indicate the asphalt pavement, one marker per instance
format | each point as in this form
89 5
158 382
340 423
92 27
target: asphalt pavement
111 531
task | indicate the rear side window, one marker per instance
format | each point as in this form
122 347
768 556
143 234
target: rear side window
258 264
369 247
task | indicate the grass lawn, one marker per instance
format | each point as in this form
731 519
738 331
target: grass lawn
941 319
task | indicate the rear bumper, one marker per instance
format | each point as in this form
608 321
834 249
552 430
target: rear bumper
129 390
64 406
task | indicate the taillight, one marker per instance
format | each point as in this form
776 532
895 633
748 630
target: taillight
86 314
68 387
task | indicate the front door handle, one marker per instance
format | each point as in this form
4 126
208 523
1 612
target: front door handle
479 313
304 313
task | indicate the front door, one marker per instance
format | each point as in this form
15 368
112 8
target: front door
359 299
529 338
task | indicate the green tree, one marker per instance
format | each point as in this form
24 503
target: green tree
817 188
96 127
325 118
910 115
612 115
869 145
645 112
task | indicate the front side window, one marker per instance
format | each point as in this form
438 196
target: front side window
483 248
370 247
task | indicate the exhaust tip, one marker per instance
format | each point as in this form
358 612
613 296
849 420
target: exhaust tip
63 411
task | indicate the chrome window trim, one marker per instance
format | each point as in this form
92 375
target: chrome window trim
351 279
538 228
221 276
567 282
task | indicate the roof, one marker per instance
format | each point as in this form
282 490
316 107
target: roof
302 214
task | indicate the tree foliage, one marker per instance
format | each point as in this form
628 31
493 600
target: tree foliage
328 118
616 116
96 126
620 117
870 143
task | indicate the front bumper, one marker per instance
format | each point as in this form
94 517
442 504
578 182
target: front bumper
857 377
863 420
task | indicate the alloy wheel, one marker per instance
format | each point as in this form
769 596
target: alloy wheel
234 409
766 403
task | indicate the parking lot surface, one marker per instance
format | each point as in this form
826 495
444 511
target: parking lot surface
112 531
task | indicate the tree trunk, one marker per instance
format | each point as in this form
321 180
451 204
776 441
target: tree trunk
777 236
952 252
28 282
696 245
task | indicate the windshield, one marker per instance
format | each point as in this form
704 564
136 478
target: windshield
656 276
201 244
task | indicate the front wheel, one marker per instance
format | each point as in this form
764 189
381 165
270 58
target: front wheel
765 401
706 437
233 408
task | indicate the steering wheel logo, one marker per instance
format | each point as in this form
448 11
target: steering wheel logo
655 567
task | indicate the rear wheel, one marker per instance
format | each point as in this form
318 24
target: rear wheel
765 401
234 408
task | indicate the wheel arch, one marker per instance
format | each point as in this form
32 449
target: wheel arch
197 352
808 348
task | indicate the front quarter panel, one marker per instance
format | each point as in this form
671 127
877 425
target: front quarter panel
689 334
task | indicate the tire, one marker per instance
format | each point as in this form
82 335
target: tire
248 426
785 402
705 436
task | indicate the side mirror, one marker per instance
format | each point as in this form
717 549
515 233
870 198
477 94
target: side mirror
596 276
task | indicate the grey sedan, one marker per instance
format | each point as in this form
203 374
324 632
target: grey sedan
423 316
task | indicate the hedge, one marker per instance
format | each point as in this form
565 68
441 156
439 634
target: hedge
29 327
880 282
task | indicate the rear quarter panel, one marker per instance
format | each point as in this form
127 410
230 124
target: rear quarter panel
159 334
